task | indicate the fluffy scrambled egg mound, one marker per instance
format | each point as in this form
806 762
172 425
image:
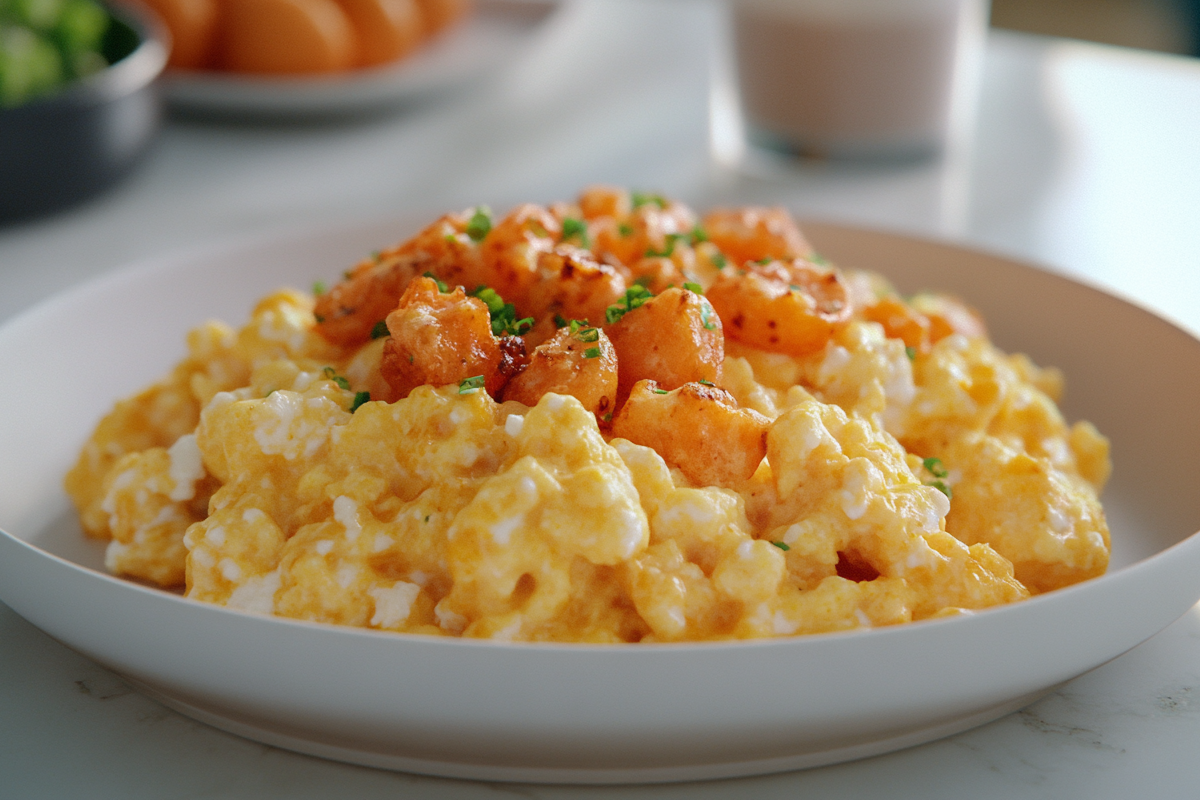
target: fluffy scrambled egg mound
637 425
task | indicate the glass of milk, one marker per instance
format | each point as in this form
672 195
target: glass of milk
857 78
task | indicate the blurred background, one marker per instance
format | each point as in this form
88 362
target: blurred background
1171 26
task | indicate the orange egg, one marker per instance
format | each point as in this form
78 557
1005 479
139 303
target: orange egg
386 29
286 36
192 24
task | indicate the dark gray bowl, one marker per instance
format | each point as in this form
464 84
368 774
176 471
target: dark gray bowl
62 149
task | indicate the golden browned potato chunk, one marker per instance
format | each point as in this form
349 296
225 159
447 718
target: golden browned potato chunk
755 233
673 339
698 428
782 307
439 338
349 312
949 315
510 251
900 321
580 362
654 225
572 285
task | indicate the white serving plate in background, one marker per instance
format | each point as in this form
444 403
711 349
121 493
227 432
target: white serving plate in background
497 33
584 713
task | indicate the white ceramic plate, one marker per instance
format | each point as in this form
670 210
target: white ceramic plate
592 713
496 33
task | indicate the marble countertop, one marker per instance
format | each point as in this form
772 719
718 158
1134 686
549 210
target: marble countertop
1083 159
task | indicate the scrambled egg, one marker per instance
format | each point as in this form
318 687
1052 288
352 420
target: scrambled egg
895 482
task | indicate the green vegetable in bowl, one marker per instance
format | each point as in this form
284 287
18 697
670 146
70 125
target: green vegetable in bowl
45 44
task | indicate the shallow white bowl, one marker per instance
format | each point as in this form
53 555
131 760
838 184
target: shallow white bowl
578 713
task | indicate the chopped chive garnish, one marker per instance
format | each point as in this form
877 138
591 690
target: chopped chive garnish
575 229
944 489
559 321
318 318
592 352
643 280
493 301
719 261
319 288
607 417
935 468
782 546
480 224
503 315
635 297
698 235
643 198
764 261
331 374
819 260
625 229
588 335
443 288
359 399
669 249
911 352
661 391
706 382
380 329
468 385
706 317
694 288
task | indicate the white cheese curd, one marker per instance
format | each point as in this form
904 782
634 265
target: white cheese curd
837 358
1060 521
230 571
509 631
257 594
856 495
305 380
448 620
502 531
324 547
862 618
113 554
215 536
782 626
274 433
345 511
186 467
393 603
633 528
345 575
513 424
122 481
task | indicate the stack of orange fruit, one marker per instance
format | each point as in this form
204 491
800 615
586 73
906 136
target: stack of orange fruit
299 36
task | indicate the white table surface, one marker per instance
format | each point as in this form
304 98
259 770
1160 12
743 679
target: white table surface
1085 159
